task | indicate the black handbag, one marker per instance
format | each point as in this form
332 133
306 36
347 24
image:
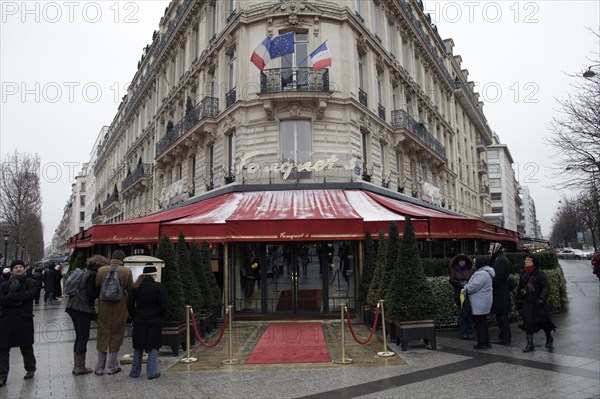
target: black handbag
465 309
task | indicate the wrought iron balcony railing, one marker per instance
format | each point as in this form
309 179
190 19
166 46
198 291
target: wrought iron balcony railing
362 97
401 119
381 111
230 98
143 170
96 214
114 197
293 79
208 107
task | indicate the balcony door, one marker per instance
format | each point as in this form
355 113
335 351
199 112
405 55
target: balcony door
294 67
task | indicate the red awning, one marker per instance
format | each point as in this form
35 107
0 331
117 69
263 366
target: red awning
299 215
296 215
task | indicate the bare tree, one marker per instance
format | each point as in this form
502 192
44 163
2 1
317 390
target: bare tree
21 203
575 143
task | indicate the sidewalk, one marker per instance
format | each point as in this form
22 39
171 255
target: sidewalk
455 370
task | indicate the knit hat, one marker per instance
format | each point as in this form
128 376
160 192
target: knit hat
149 270
17 262
496 247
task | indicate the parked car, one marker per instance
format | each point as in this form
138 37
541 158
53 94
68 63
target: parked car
588 253
571 253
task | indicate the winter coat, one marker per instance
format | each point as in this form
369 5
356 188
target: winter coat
52 281
16 314
501 304
82 303
147 304
532 296
458 278
112 316
479 289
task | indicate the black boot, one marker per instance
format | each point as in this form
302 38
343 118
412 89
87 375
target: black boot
530 347
549 340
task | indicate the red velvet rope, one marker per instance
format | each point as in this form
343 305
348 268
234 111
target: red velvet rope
225 320
372 328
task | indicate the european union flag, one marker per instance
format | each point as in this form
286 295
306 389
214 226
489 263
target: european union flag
282 45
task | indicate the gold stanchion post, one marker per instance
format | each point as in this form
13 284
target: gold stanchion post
231 360
385 352
343 360
188 358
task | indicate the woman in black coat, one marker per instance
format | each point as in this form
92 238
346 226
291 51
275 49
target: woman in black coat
532 299
501 305
16 319
147 305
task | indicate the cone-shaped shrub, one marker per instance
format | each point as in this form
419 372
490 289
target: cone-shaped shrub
191 292
375 287
368 269
409 296
171 279
213 295
196 263
391 258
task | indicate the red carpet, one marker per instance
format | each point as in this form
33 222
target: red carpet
290 343
308 300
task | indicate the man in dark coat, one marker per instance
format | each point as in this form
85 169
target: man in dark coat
51 283
16 319
147 305
501 304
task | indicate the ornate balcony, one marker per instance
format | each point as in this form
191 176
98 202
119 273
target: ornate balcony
482 168
230 98
208 107
484 190
141 174
362 97
402 120
111 204
381 111
97 216
293 79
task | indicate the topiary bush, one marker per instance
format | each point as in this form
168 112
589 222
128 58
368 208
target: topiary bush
213 296
171 279
443 297
368 269
409 296
191 292
375 293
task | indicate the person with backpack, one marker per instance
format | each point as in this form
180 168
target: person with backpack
113 283
147 305
80 306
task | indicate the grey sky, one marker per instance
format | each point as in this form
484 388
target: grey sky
65 65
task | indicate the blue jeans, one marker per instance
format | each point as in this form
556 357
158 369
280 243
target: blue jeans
466 324
151 363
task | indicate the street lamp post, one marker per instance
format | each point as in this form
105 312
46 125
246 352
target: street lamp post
6 237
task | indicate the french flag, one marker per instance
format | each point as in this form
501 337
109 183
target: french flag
261 56
321 57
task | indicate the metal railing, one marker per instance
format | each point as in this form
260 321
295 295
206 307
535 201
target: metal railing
293 79
114 197
230 98
362 97
208 107
401 119
381 111
141 171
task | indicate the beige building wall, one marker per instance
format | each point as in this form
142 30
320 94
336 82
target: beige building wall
422 130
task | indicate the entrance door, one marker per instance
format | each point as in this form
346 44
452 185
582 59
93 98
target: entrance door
294 281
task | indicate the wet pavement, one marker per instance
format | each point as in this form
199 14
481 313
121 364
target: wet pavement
454 370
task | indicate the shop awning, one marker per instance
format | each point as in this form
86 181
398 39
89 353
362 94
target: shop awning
291 215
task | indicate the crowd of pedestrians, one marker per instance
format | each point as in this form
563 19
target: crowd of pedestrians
144 302
488 286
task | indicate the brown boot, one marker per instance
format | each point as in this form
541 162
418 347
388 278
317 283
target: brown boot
80 365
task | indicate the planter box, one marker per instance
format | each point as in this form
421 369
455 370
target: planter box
174 336
415 329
